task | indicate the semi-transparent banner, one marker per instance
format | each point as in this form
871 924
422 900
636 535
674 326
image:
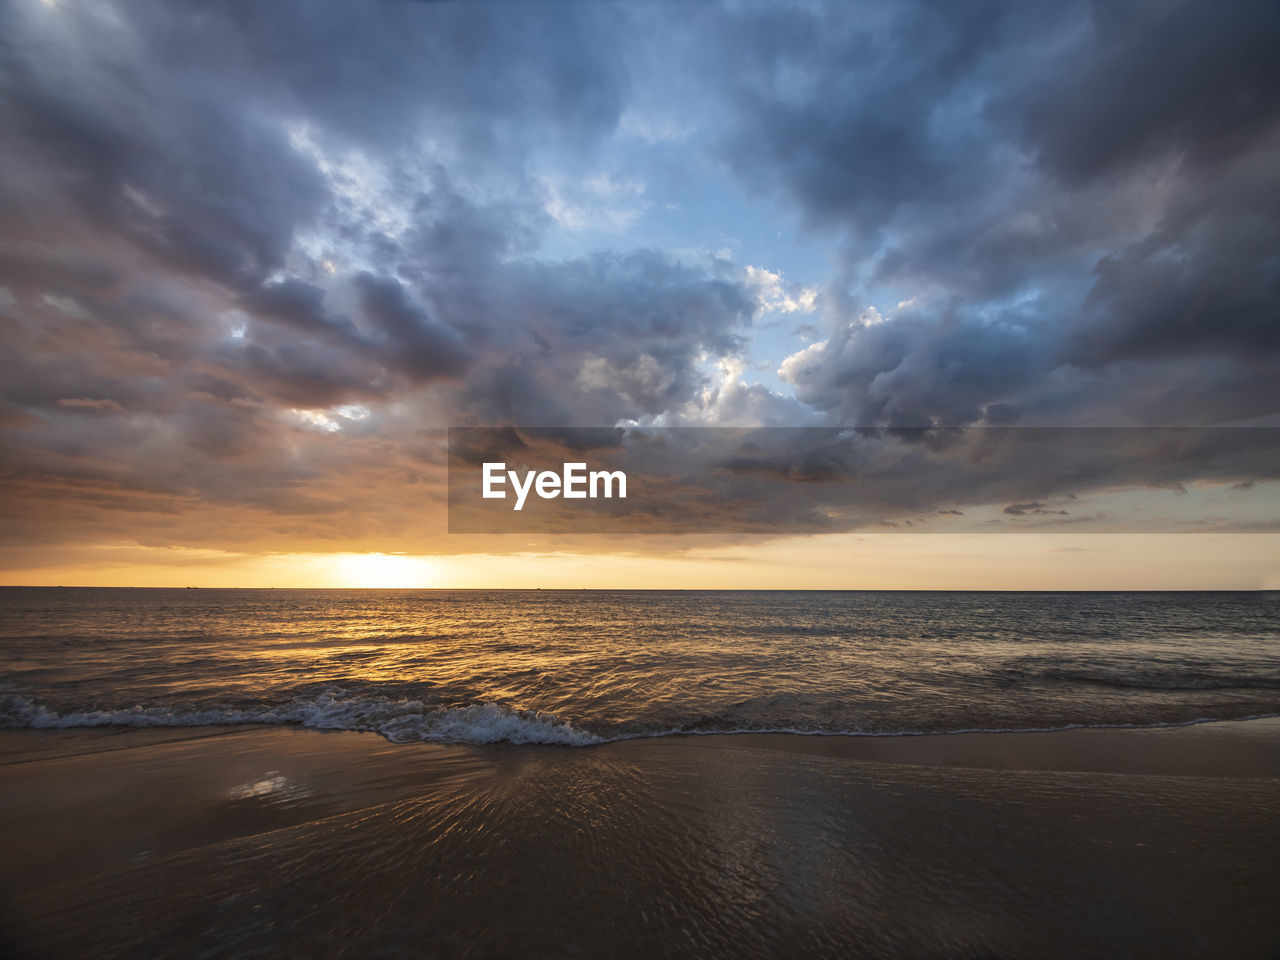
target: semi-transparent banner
838 480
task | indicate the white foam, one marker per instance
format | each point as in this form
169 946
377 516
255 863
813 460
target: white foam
410 721
400 721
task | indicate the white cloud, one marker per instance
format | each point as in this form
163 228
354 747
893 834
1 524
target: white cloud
794 367
870 317
333 419
651 128
775 295
65 305
601 202
603 185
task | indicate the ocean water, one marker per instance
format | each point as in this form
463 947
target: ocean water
585 667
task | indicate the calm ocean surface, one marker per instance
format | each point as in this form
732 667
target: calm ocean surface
578 667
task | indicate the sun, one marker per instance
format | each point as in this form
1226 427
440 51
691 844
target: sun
383 570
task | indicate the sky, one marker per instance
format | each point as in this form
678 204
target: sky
256 258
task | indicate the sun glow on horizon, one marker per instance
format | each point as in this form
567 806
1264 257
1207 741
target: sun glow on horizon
384 570
835 562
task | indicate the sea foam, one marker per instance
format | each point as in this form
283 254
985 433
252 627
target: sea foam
400 721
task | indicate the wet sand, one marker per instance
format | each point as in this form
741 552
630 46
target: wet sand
288 842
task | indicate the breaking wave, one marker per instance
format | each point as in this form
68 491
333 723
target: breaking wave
412 721
400 721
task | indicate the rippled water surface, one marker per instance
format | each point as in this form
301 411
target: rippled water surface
578 667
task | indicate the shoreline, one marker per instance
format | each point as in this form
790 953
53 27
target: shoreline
286 841
20 745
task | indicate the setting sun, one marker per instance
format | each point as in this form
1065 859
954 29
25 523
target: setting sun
384 570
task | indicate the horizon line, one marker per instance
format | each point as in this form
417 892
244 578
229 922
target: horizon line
49 586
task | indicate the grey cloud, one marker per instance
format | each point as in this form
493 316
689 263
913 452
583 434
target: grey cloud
197 184
1143 80
1034 507
919 369
603 338
422 348
1206 280
492 73
303 374
856 112
1080 197
301 305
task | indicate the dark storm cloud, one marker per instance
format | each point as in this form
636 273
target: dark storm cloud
857 111
1078 186
301 305
918 369
1205 281
1144 80
171 167
176 129
492 73
231 230
603 338
425 349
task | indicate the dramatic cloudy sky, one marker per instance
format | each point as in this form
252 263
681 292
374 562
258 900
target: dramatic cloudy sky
254 257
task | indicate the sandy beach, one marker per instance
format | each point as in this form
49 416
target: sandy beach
288 842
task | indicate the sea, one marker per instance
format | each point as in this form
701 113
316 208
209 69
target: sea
579 668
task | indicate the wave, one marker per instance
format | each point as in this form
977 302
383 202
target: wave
400 721
411 721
